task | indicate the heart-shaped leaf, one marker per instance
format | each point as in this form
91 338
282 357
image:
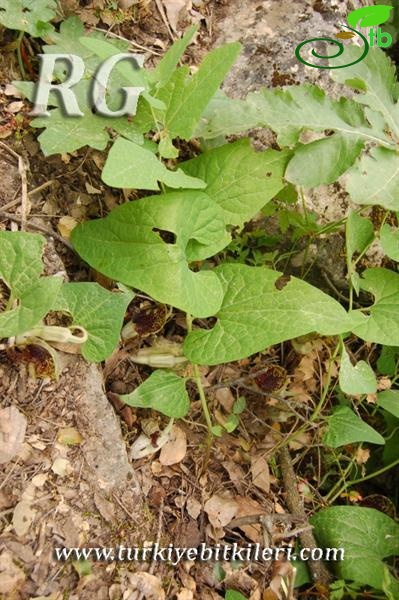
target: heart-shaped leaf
345 427
358 379
128 246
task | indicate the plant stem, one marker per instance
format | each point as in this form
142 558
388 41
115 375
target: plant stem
200 388
365 478
19 54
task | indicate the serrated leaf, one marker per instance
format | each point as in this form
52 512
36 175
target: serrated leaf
126 246
186 96
255 315
323 161
356 379
389 237
375 179
162 391
20 269
131 166
375 78
31 16
380 322
240 180
98 311
389 401
345 427
287 112
368 537
368 16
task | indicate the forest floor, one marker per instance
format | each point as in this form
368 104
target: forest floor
75 483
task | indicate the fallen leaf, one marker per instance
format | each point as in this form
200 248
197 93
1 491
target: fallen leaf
12 432
193 507
260 473
105 507
175 449
22 517
61 467
185 594
69 436
173 9
66 225
145 446
362 455
11 576
149 585
220 510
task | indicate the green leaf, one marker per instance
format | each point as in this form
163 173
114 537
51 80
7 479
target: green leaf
288 112
367 535
164 392
369 15
66 134
252 302
389 401
167 65
233 595
34 302
186 96
323 161
375 179
20 268
375 78
359 234
389 237
127 246
386 363
358 379
131 166
239 179
31 16
99 312
345 427
380 322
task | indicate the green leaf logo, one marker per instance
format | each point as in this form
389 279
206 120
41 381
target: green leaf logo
368 16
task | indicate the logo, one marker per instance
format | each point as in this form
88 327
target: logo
368 16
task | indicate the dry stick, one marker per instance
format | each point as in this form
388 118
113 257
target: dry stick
22 168
317 568
162 12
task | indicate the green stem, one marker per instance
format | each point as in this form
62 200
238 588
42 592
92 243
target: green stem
365 478
19 55
200 388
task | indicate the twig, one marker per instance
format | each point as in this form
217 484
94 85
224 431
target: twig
22 168
161 11
317 568
37 227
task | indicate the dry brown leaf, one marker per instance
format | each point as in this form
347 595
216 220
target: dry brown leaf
22 517
61 467
173 9
149 585
225 398
105 507
260 473
65 226
193 507
362 455
11 576
236 474
175 449
185 594
69 436
300 441
220 510
249 507
12 432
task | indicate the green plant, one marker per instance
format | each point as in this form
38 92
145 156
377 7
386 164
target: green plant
96 314
171 244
